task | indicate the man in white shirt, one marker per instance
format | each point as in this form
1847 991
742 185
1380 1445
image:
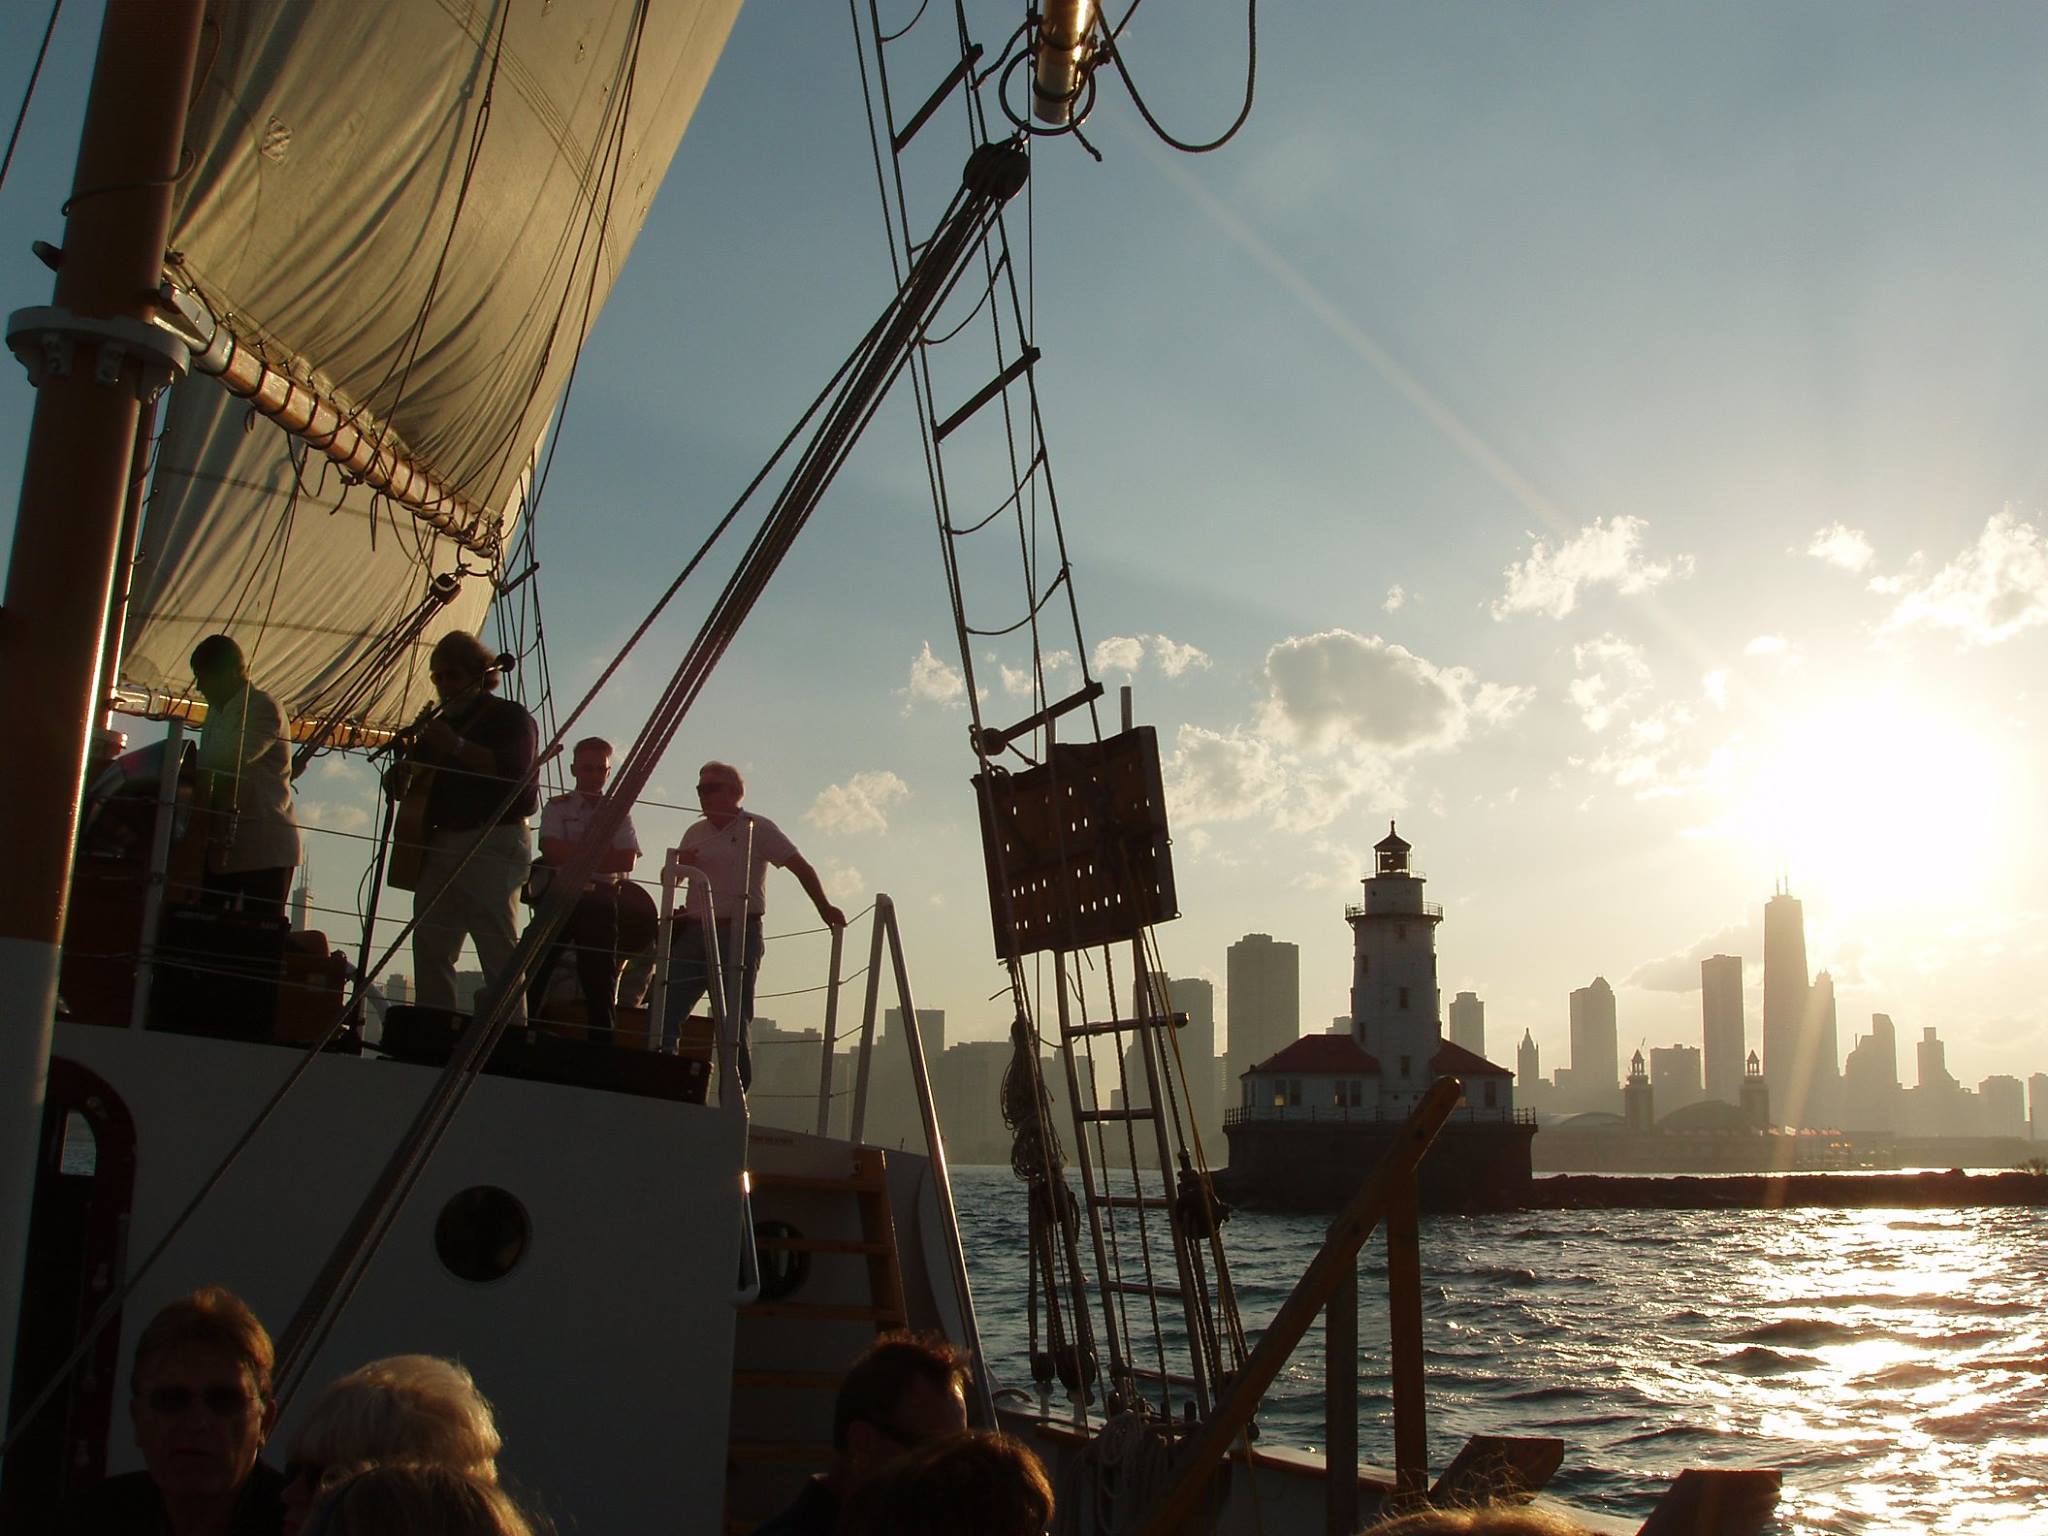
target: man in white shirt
245 791
726 857
614 918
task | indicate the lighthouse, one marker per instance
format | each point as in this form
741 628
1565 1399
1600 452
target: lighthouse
1394 999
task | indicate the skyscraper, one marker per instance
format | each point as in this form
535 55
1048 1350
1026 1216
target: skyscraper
1824 1094
1197 999
1596 1057
1675 1075
1528 1064
1261 1002
1721 1026
1870 1079
1788 1064
1468 1022
2037 1106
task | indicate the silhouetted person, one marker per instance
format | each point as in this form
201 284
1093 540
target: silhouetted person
985 1482
415 1500
614 918
245 789
201 1406
905 1391
410 1408
726 855
482 749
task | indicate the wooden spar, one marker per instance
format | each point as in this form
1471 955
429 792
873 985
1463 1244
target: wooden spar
1340 1405
346 435
1200 1455
1404 1340
93 356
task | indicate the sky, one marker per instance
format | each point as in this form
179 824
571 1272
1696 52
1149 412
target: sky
1604 439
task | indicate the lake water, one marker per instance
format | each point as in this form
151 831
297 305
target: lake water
1893 1364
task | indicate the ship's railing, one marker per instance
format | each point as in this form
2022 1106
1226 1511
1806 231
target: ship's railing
1342 1114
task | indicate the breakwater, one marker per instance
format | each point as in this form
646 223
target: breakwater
1952 1190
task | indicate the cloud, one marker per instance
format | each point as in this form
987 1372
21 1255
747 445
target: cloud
858 805
1680 971
935 681
1214 776
1397 597
1767 645
1993 590
846 885
1126 653
1338 690
1018 682
1839 544
1612 676
1119 653
334 816
1715 686
1175 658
1606 552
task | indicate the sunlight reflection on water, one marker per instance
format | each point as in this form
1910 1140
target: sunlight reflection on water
1890 1362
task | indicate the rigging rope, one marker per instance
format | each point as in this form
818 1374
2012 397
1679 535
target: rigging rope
35 73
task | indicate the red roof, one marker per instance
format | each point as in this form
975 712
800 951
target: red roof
1455 1061
1332 1055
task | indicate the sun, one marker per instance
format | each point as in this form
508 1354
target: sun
1886 799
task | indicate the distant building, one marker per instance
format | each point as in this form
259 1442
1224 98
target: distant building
1595 1073
1468 1023
1394 999
2001 1107
1756 1095
1675 1076
1721 1026
931 1030
1206 1089
1824 1092
1261 999
2037 1106
1528 1064
398 989
302 901
1788 1051
1936 1104
1870 1080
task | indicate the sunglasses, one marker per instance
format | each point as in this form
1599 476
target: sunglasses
221 1402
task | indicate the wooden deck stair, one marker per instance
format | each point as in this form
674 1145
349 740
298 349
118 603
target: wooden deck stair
876 1299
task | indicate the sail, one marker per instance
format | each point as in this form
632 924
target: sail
410 213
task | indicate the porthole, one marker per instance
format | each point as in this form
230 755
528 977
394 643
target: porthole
482 1233
784 1267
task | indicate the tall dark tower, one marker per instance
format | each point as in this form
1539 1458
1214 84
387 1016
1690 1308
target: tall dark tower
1756 1095
1638 1111
1788 1057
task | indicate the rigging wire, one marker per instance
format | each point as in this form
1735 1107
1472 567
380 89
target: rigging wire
28 95
1251 77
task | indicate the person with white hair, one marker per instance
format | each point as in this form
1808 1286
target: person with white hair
405 1408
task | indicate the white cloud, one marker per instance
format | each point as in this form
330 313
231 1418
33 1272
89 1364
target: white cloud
1339 690
333 816
1018 682
1767 645
1397 596
1715 686
1119 653
935 681
1217 777
1126 653
1606 552
1680 971
1175 658
1839 544
1612 676
859 805
1990 592
846 885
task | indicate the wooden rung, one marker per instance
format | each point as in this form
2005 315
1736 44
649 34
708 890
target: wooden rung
1002 381
1112 1026
1131 1202
821 1312
1140 1288
1171 1378
779 1450
1142 1112
821 1244
796 1381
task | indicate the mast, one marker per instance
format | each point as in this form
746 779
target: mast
94 355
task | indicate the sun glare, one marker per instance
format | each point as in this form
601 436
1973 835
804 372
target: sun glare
1884 800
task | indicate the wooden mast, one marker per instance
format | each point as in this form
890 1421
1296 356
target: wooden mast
93 356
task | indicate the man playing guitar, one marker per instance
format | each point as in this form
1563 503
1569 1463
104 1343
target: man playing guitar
482 750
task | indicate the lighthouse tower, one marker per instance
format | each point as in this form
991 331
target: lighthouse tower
1394 997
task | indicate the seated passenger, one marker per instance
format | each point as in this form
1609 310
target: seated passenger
410 1408
614 918
906 1390
201 1406
409 1499
985 1482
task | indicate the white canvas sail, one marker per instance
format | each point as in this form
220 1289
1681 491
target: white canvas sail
411 211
